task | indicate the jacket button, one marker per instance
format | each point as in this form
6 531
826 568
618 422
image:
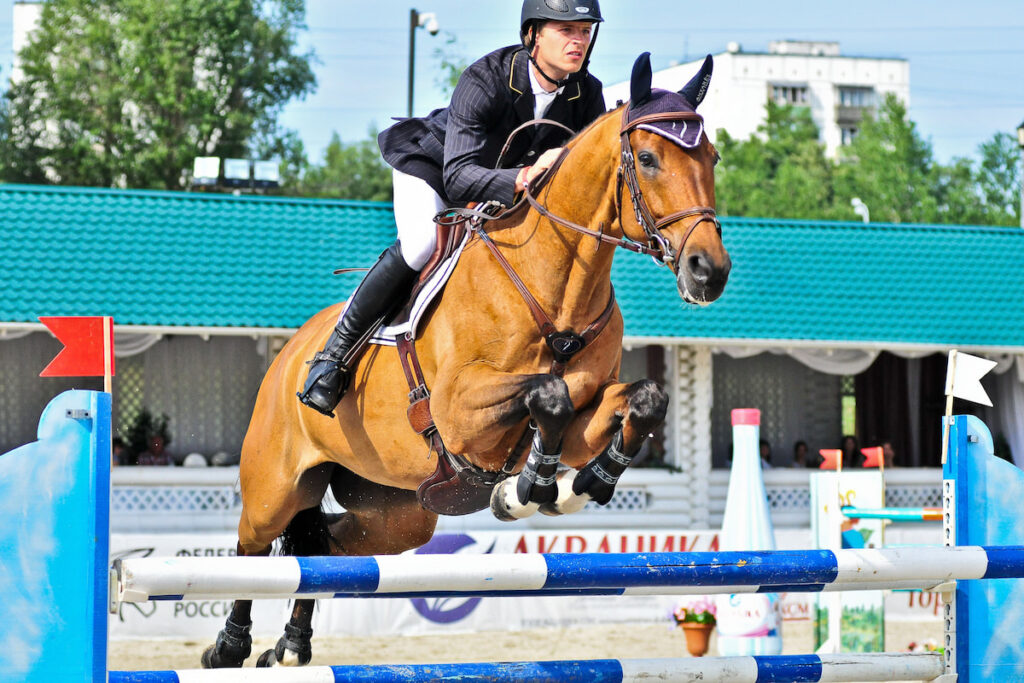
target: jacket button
530 153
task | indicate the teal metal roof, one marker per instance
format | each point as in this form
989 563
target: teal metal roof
210 260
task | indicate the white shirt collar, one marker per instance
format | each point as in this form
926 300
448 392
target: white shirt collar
535 85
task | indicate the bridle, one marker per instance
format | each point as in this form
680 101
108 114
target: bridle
657 246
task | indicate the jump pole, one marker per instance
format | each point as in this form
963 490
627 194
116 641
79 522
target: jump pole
55 554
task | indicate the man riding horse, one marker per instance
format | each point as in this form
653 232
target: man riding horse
448 158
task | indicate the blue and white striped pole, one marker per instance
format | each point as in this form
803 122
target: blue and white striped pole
850 667
195 578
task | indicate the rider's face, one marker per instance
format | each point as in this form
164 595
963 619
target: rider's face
561 47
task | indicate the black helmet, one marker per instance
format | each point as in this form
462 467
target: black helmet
537 11
559 10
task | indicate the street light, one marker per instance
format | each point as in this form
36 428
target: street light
1020 141
427 20
861 209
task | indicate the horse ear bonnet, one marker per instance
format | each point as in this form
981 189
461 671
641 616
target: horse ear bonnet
697 88
644 100
640 82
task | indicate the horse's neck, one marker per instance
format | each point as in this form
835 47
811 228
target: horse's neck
568 272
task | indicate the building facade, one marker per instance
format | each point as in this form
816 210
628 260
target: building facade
837 89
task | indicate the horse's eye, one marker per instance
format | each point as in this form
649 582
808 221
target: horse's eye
647 160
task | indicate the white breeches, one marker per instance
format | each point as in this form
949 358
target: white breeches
416 203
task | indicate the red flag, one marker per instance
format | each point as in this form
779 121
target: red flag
82 355
873 456
831 458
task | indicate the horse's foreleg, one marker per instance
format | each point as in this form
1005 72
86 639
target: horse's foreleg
551 410
622 421
234 643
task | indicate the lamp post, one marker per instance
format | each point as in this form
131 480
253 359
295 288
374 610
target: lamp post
1020 141
427 20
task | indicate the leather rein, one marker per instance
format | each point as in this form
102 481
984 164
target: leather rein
565 344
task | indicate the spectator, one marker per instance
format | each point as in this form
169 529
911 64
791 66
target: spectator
851 451
156 455
800 455
888 453
119 455
766 454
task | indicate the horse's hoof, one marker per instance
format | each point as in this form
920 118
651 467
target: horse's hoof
266 660
567 501
211 660
586 484
505 503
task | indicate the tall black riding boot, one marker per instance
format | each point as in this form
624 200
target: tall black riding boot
384 286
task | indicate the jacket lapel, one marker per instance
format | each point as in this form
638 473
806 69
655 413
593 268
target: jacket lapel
519 87
559 110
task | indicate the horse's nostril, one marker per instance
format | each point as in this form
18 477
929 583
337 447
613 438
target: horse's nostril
700 268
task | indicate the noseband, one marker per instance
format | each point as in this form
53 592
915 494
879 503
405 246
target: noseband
658 245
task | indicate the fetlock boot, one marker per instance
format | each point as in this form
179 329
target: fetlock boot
384 287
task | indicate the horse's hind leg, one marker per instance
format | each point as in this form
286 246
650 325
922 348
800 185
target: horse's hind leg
378 520
270 505
305 536
234 644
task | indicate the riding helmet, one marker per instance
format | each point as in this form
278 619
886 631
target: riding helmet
559 10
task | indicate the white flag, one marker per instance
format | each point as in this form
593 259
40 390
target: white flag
963 377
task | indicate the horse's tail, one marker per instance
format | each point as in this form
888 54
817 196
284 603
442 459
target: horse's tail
307 534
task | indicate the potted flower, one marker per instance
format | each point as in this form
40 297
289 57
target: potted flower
696 617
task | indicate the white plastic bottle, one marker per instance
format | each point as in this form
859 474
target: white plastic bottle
748 623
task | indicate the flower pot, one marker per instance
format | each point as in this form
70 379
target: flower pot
697 637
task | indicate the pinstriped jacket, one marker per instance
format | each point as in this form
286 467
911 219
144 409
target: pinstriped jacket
455 149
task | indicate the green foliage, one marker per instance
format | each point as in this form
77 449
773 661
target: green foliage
141 429
350 171
450 65
128 92
782 172
890 168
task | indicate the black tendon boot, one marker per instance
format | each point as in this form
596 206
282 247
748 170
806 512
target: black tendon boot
383 287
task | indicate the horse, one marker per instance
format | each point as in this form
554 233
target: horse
513 402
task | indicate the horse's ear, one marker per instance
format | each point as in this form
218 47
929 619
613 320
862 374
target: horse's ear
697 88
640 82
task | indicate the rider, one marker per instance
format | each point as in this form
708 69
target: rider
448 158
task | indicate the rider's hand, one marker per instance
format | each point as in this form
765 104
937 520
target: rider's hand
530 173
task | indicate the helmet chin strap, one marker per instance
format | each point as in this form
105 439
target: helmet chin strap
571 78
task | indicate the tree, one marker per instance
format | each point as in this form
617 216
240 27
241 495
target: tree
128 92
999 178
450 65
889 167
350 171
781 172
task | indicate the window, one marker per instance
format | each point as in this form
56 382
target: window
790 94
851 96
848 133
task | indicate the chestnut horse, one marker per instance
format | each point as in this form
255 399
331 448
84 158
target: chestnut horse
642 174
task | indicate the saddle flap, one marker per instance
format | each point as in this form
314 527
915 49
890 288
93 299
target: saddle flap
451 491
450 232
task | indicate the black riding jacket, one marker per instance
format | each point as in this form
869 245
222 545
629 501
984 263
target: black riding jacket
455 149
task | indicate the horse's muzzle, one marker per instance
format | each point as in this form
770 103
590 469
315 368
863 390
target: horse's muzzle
701 279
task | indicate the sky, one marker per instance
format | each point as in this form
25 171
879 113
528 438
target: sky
966 58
